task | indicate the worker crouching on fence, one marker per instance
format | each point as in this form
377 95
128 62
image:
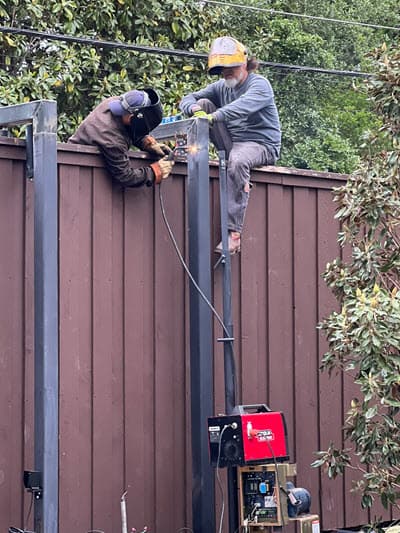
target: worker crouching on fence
119 122
243 121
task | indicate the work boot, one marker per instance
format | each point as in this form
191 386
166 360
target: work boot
233 243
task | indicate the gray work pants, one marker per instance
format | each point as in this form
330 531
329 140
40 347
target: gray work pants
241 158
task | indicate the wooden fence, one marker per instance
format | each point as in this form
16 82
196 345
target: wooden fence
124 339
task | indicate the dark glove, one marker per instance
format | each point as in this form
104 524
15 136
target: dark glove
153 147
159 149
162 169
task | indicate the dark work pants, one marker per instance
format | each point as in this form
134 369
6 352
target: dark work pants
241 158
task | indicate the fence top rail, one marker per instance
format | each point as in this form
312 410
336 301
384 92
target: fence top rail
270 174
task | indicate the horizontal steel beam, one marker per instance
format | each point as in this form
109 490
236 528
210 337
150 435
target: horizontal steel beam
42 113
168 130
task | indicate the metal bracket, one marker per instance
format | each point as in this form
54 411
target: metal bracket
29 152
181 147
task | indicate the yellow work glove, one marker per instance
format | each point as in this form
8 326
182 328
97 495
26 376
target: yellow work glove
162 169
203 114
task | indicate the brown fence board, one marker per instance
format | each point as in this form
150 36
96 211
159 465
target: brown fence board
124 344
28 349
305 317
280 384
12 337
139 354
117 350
330 419
75 259
103 333
254 309
280 303
169 334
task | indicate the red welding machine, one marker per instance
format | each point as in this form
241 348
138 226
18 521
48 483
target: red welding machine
252 434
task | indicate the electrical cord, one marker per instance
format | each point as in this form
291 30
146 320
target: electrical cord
182 260
190 275
278 482
251 514
221 520
29 512
13 529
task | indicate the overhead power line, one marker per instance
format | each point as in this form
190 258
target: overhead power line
169 51
316 70
272 11
100 43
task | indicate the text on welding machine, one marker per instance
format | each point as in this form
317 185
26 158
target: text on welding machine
250 435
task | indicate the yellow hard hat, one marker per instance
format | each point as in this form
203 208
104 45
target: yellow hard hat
226 52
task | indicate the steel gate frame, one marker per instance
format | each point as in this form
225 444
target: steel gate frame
41 117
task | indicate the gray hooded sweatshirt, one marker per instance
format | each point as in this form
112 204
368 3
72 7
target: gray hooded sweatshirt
248 110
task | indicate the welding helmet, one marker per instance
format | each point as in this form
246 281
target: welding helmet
128 102
145 117
226 52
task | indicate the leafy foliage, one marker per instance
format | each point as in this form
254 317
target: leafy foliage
78 76
322 118
364 337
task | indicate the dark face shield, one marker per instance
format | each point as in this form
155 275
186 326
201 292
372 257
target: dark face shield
145 119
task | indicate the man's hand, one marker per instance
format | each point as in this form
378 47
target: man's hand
166 167
153 147
162 169
159 149
203 114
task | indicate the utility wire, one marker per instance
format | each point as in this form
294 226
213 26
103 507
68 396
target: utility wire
170 51
316 70
312 17
102 44
278 74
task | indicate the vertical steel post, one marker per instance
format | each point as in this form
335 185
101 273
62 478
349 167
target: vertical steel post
201 343
42 115
46 313
229 363
228 339
201 360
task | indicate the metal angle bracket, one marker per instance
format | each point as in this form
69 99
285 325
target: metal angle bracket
29 165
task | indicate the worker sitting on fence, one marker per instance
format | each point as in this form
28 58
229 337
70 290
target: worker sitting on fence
243 121
119 122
